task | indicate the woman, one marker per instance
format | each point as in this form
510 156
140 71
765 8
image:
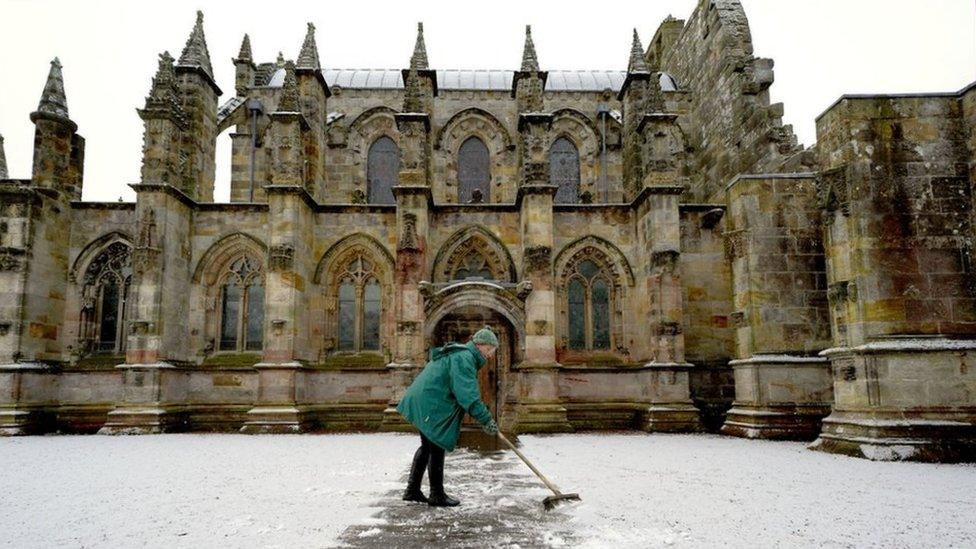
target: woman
435 403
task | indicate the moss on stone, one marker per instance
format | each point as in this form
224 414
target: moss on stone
98 362
353 361
232 360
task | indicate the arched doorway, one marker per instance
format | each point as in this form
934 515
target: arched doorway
459 325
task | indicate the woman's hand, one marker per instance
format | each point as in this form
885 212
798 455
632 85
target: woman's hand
491 427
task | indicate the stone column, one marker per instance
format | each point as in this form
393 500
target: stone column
413 196
538 408
898 209
668 392
154 375
281 405
782 388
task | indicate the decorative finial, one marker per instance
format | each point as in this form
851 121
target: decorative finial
637 62
289 90
419 58
245 53
308 58
53 100
280 62
530 62
195 52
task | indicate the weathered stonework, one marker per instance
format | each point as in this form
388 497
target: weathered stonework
653 247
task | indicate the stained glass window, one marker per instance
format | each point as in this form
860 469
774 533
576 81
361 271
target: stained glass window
104 293
474 172
564 170
382 170
589 298
242 307
360 307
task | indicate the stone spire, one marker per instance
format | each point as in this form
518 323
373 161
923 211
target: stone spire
3 161
530 62
309 56
419 58
637 62
289 90
53 100
195 52
245 53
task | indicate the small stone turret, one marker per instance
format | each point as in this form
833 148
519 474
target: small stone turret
632 94
199 93
529 82
164 123
313 94
244 68
420 82
58 150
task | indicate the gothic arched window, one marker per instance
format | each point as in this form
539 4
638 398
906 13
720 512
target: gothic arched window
359 306
474 172
382 170
241 319
564 170
589 296
106 289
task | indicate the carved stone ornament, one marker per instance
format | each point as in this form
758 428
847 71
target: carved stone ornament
833 190
538 259
11 259
665 260
281 257
408 236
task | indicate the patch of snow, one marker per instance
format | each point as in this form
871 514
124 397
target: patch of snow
661 490
880 452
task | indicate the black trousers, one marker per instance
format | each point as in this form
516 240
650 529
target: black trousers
431 457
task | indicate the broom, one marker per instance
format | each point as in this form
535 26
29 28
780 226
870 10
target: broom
552 501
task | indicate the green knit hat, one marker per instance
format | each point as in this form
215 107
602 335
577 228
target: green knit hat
485 336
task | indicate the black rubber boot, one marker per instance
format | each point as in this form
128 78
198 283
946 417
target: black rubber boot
436 474
413 493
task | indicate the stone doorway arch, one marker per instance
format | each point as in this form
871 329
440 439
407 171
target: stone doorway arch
455 311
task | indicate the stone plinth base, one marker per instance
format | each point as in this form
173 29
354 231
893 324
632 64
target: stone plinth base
670 409
278 420
133 420
774 422
22 421
903 399
540 418
280 390
781 397
671 418
393 421
892 436
152 396
25 389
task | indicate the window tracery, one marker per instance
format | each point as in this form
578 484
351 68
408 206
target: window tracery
105 291
241 311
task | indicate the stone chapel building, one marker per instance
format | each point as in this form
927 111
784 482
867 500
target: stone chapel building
653 246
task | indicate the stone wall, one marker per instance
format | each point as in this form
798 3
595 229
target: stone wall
895 183
780 297
731 127
896 186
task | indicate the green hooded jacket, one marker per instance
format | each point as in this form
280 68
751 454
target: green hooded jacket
435 403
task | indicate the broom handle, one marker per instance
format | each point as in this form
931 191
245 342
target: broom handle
538 473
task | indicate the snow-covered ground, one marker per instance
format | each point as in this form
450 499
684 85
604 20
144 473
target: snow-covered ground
638 490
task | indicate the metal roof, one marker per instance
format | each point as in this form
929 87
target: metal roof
492 80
